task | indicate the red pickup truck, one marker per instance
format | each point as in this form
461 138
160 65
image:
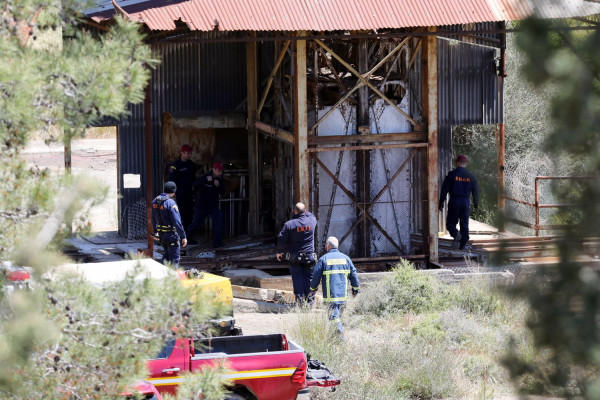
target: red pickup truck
262 367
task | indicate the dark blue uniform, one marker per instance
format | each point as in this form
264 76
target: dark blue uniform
207 203
183 174
336 269
166 221
460 184
298 239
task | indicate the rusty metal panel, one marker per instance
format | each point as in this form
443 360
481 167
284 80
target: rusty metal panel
329 15
192 77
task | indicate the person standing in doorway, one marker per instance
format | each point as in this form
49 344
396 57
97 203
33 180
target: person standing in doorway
166 222
297 240
460 184
209 188
335 269
183 172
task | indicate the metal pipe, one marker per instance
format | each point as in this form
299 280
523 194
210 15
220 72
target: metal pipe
537 207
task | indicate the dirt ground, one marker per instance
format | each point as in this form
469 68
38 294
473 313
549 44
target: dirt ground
263 323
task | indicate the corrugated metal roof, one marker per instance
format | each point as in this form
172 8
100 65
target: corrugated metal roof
331 15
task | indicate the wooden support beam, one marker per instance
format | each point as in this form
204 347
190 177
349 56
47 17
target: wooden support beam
369 84
301 165
365 139
271 76
274 132
253 156
430 110
368 147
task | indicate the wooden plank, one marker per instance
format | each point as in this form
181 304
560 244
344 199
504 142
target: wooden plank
262 294
301 164
211 120
365 139
274 132
367 147
281 283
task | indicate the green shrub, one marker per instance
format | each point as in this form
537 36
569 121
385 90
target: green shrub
476 296
429 329
403 291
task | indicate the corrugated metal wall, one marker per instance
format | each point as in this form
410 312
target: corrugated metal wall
191 77
467 94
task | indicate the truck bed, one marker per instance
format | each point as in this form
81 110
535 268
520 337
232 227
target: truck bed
241 344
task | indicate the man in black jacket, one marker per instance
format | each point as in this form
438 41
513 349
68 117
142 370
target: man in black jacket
297 239
183 172
209 188
460 184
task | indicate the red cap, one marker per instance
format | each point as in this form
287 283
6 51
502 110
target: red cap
218 165
462 159
186 148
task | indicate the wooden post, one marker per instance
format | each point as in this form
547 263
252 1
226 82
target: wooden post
301 165
363 159
253 156
430 113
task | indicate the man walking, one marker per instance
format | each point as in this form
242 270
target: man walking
297 239
166 222
460 184
336 269
183 172
209 188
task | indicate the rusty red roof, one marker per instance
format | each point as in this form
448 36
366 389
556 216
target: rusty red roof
332 15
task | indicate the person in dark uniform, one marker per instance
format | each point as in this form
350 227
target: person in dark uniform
166 223
460 184
209 188
297 239
336 269
183 173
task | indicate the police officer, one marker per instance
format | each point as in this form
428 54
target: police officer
183 172
336 269
166 222
461 184
297 239
209 188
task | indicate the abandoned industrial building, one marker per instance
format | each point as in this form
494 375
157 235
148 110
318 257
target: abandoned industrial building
347 108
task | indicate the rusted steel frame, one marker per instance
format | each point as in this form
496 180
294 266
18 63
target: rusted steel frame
389 71
415 52
360 139
274 132
365 81
537 207
365 211
558 205
301 167
340 84
566 177
518 201
387 57
369 147
148 148
338 168
350 195
335 106
279 91
271 76
314 168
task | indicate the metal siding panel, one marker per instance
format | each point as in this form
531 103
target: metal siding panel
188 79
330 15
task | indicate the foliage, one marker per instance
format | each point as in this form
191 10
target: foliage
67 339
447 351
564 297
